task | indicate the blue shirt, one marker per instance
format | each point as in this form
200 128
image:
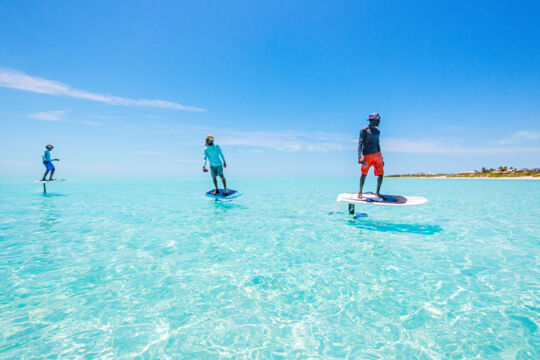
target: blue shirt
46 155
368 143
214 154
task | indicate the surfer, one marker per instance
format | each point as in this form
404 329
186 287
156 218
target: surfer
212 152
47 162
369 153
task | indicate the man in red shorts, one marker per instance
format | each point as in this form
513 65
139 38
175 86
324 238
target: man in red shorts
369 152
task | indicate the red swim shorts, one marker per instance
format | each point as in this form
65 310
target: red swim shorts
376 160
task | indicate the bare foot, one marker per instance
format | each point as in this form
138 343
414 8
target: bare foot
359 195
380 196
215 192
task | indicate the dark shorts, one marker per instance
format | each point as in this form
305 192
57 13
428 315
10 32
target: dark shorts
48 165
216 170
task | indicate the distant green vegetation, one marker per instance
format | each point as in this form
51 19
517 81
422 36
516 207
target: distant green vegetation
501 172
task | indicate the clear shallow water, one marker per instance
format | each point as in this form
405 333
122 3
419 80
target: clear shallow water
138 268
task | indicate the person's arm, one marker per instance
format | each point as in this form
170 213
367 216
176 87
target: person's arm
221 156
361 142
205 159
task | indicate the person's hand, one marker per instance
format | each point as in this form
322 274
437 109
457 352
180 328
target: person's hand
204 169
360 159
224 164
46 162
57 159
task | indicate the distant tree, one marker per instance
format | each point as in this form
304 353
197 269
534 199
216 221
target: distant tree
484 170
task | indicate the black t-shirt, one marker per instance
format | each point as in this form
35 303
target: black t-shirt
369 141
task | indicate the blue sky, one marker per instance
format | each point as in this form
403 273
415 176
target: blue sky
132 88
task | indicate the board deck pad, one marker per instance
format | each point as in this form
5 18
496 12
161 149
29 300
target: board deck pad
231 194
391 200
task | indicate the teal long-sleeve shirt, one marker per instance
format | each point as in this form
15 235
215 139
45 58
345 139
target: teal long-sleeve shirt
214 155
46 156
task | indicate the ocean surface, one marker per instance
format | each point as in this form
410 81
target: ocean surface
127 268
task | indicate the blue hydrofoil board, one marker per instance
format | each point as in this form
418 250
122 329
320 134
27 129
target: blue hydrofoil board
231 194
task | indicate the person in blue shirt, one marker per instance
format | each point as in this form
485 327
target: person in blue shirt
47 162
212 153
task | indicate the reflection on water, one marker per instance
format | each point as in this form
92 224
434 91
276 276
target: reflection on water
51 195
384 226
356 216
229 205
361 215
50 215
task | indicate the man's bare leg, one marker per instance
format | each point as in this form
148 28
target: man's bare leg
52 173
45 175
362 181
379 183
215 184
223 181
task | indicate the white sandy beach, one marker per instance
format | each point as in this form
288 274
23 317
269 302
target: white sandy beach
471 178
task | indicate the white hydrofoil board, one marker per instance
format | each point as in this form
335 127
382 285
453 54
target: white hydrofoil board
391 200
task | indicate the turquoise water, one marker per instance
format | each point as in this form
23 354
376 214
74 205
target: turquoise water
151 269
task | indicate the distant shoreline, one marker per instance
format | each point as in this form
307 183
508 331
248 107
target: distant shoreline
529 177
503 172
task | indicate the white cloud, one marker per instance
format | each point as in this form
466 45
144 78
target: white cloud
59 115
144 152
286 140
167 160
437 148
319 141
91 123
106 117
16 162
54 115
18 80
521 136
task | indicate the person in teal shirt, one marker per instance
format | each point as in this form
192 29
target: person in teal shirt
47 162
212 153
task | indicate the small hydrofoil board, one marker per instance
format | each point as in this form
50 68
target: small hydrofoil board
45 182
392 200
231 194
49 182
